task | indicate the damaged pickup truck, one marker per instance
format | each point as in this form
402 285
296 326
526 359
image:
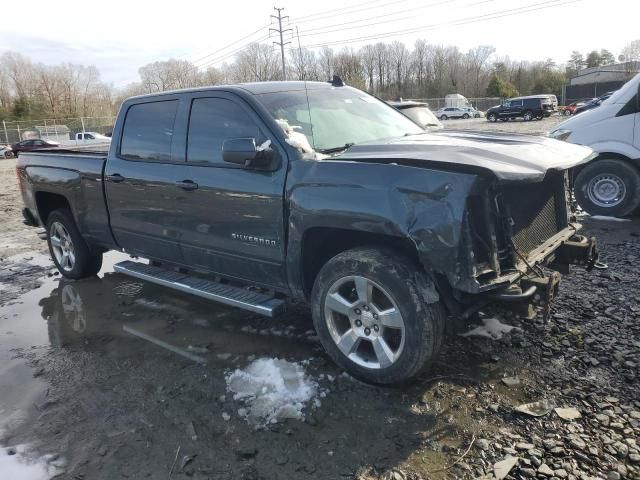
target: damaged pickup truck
252 193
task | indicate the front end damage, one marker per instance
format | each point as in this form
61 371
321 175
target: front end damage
516 241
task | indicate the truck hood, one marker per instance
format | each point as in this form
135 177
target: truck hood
508 157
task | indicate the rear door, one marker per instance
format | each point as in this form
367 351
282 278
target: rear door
234 221
141 181
515 109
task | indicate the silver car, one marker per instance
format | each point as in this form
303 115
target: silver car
452 112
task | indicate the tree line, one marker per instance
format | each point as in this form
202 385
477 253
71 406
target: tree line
389 70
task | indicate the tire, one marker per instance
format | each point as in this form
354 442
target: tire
466 116
69 251
608 187
567 113
527 116
505 119
539 116
443 117
392 285
492 117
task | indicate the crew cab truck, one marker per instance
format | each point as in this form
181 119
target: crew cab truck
323 193
610 183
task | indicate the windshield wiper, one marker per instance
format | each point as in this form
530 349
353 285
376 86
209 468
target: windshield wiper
336 149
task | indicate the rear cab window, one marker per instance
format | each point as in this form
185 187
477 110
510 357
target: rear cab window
148 130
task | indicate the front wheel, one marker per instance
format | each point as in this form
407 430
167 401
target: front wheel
528 116
492 117
69 251
608 187
372 318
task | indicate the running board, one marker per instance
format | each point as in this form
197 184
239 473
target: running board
227 294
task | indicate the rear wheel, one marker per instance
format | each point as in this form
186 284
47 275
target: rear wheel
608 187
528 116
540 116
443 117
465 116
69 251
371 316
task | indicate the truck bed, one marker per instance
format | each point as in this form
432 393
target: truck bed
75 174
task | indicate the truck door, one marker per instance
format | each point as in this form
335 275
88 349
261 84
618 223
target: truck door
234 220
141 175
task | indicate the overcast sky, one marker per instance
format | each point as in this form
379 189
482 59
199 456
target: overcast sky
120 36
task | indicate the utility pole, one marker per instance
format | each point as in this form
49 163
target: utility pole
281 32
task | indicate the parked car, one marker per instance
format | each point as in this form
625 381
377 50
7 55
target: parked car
610 183
387 231
418 112
571 108
528 108
473 112
6 151
452 112
34 144
593 103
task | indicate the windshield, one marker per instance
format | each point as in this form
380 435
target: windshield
335 117
422 116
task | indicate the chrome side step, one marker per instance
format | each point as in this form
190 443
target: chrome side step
227 294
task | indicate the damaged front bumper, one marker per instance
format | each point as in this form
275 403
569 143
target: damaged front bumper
536 288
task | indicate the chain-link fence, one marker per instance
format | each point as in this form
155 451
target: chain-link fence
483 103
58 130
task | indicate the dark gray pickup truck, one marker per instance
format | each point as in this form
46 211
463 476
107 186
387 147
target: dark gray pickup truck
252 193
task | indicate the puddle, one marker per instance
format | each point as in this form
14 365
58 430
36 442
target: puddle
126 318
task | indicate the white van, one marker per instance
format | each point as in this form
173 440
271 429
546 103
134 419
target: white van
609 184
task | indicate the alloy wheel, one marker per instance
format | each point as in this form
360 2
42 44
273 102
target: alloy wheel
62 246
364 322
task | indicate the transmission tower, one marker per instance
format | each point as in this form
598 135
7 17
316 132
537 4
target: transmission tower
281 32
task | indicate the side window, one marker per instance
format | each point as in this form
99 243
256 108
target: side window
88 136
212 121
148 131
516 103
37 143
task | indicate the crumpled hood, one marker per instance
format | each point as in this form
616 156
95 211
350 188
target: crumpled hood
509 157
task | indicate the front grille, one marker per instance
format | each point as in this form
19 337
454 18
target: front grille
537 211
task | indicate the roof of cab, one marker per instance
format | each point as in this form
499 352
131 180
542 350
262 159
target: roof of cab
255 88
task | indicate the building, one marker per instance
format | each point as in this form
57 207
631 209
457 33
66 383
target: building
596 81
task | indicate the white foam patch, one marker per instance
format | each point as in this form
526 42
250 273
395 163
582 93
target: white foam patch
271 390
609 219
492 329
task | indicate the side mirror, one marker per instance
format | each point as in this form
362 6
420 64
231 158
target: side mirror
244 151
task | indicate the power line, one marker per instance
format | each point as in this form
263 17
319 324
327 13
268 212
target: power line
232 53
281 43
377 17
464 21
333 11
330 15
230 44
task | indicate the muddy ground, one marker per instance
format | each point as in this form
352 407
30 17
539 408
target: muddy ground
112 378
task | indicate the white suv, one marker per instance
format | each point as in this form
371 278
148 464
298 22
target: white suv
452 112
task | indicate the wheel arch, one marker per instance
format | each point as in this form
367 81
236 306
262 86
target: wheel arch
320 244
47 202
608 156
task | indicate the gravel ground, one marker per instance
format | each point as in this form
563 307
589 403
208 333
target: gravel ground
535 127
100 379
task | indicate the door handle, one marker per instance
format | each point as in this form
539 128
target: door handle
115 178
187 185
